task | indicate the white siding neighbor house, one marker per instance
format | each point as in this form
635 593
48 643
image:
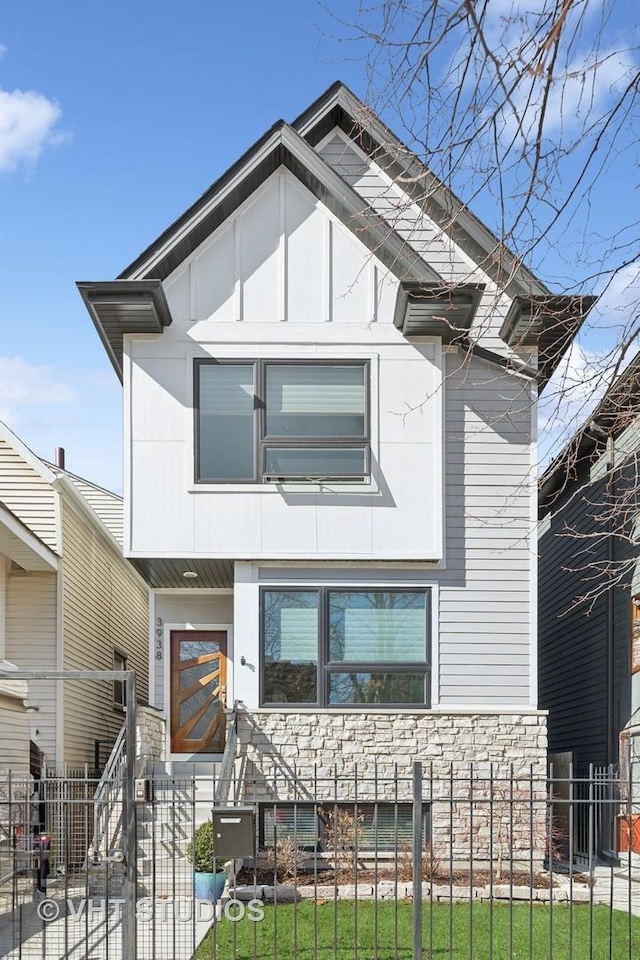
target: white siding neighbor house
329 389
68 601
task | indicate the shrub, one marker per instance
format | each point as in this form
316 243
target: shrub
286 859
200 851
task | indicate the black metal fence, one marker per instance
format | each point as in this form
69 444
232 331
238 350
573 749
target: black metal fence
457 862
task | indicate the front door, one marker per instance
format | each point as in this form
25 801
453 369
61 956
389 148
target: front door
198 690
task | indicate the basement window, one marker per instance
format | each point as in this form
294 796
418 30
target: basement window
379 826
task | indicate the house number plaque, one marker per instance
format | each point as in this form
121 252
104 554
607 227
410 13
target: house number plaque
159 638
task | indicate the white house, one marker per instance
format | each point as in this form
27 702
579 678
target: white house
330 383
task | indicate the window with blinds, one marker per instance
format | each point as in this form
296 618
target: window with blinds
380 826
268 420
330 647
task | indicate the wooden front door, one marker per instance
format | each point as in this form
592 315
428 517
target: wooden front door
198 690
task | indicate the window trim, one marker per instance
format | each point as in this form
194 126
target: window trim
260 439
327 667
120 706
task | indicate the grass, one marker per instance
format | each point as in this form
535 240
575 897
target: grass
327 931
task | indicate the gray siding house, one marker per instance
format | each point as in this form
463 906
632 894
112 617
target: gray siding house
330 380
589 584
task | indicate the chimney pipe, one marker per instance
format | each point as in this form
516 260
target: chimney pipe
59 458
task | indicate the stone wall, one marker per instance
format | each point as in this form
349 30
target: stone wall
484 775
150 735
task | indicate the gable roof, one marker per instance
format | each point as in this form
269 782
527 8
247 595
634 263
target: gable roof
107 506
135 302
280 146
104 507
552 324
619 407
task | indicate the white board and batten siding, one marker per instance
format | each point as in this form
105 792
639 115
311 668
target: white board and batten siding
105 607
343 312
27 494
31 632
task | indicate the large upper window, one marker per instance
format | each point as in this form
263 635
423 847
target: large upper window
336 647
269 420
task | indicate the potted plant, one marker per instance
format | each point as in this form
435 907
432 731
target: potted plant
208 885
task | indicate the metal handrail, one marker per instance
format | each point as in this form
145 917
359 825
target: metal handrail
107 791
225 779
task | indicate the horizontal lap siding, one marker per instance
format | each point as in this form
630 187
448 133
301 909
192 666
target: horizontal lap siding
422 233
574 555
107 506
104 607
485 602
31 631
572 640
14 737
27 495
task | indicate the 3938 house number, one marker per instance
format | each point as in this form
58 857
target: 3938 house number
159 638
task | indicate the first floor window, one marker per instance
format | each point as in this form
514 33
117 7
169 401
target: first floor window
331 647
119 686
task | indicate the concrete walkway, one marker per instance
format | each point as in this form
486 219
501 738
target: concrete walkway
618 887
83 929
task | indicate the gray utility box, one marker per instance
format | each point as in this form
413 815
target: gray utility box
234 830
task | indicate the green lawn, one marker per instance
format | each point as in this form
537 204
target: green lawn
327 931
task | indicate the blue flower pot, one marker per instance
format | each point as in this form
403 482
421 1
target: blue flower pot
209 886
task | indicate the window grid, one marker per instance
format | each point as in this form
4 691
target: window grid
263 442
327 668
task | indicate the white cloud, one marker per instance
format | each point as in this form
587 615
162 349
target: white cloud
574 391
46 413
26 385
27 124
577 98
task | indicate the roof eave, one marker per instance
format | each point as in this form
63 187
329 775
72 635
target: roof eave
283 147
440 203
609 419
119 307
547 324
437 309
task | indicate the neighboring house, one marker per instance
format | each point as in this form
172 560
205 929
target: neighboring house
330 391
68 601
589 586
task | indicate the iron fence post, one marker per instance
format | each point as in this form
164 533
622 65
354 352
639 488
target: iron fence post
129 926
417 860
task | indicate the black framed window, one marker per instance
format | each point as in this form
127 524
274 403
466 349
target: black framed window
268 420
334 647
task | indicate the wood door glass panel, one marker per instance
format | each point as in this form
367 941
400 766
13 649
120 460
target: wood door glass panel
198 688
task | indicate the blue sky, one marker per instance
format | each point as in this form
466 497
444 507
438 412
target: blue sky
121 115
155 101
